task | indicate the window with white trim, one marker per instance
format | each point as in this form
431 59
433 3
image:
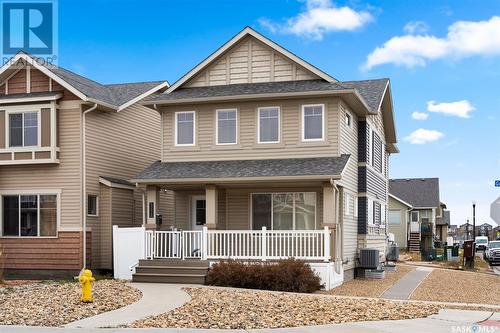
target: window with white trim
371 215
348 119
356 206
92 205
227 124
29 215
414 216
313 122
394 217
284 211
23 129
269 124
185 128
383 214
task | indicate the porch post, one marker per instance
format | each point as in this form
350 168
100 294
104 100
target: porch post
211 206
152 196
329 212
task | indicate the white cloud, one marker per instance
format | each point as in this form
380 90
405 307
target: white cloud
423 136
460 109
419 115
464 39
416 27
319 18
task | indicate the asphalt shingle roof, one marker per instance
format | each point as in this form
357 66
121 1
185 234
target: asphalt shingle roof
321 166
419 192
117 180
370 90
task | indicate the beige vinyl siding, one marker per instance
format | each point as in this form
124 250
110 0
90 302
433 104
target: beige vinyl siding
64 176
247 147
373 242
399 230
250 61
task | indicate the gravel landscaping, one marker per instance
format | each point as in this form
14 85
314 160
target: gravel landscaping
238 309
58 303
369 287
444 285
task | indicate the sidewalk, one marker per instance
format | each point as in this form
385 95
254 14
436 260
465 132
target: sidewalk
402 289
445 321
156 298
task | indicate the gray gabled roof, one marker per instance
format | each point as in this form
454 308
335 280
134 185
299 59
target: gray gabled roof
292 167
372 91
419 192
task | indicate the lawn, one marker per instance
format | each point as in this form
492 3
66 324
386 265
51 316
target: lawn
446 285
371 288
216 308
58 303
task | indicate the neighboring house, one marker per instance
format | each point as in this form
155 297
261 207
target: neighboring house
452 231
415 212
67 146
483 229
464 232
495 233
255 137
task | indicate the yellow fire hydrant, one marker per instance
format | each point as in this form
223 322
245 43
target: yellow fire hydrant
86 280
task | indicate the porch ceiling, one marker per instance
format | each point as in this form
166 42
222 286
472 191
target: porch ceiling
244 171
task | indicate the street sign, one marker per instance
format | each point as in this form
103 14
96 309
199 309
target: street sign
497 183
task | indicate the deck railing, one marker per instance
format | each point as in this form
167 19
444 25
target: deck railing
239 244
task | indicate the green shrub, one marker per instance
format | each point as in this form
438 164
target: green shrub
285 275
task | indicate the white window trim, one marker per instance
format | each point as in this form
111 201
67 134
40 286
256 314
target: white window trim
355 205
371 215
272 213
348 114
399 212
176 129
22 110
56 192
96 205
217 127
259 109
322 123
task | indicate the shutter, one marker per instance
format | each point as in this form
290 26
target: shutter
370 211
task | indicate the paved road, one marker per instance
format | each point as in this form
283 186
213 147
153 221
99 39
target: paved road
445 321
495 268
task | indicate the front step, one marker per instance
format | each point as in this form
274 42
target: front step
169 278
171 271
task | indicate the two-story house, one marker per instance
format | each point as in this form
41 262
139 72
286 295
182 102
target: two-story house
67 146
257 141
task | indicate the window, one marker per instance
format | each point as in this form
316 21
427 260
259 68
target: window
226 131
29 215
23 129
184 128
395 217
151 209
269 125
355 206
348 119
414 216
284 211
92 205
371 214
350 205
313 124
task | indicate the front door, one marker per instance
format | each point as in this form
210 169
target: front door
198 213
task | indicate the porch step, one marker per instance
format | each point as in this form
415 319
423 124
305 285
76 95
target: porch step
169 278
174 263
189 270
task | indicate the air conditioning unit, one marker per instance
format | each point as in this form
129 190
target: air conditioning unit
393 252
369 258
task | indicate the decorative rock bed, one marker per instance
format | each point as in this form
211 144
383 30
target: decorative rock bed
58 303
237 309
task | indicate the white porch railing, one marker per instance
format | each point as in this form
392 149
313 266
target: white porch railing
239 244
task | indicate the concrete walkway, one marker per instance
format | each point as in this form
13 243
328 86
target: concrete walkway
156 299
407 284
445 321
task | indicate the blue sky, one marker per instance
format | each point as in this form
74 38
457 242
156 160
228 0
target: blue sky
447 52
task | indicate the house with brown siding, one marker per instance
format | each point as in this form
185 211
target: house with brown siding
67 146
268 157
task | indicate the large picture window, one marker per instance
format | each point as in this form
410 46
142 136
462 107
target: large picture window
184 128
23 129
29 215
284 211
269 125
313 122
226 127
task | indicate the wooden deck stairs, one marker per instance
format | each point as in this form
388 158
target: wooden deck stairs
171 271
414 242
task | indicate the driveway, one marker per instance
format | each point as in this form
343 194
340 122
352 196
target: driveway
445 321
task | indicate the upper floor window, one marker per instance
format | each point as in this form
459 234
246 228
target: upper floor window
348 119
23 129
269 125
313 122
184 128
92 205
226 131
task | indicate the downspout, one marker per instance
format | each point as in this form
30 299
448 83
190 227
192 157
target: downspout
337 235
84 186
